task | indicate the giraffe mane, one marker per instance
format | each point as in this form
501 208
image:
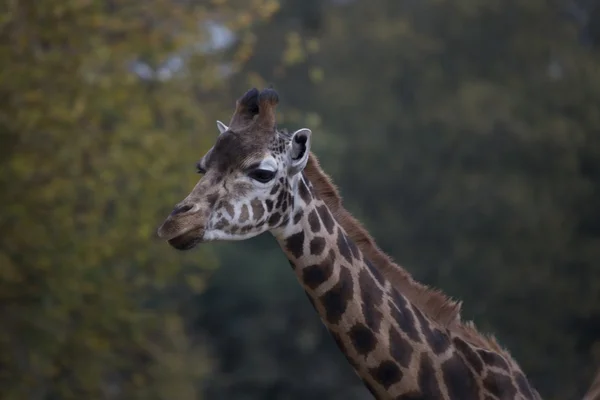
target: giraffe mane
440 308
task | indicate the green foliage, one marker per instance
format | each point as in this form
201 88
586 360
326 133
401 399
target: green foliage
89 152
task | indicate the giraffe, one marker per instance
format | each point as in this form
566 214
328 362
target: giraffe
593 392
403 339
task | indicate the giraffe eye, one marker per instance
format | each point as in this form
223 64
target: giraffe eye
262 175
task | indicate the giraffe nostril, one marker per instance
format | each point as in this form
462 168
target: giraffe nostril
182 209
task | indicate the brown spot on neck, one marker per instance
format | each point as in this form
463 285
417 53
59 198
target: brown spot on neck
335 301
387 373
315 275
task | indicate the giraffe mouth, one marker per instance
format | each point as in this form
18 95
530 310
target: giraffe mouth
187 240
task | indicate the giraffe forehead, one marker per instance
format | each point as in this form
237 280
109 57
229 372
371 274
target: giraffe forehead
241 150
236 150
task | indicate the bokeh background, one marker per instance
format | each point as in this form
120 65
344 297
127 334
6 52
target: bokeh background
465 134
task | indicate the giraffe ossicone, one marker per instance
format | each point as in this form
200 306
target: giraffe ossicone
404 340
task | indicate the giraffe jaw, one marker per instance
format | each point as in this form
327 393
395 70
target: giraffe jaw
188 240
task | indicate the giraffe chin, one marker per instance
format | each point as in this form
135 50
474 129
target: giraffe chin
188 240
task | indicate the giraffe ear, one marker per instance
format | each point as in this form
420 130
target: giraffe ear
222 127
299 151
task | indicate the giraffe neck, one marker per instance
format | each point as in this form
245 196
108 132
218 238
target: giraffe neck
373 325
394 348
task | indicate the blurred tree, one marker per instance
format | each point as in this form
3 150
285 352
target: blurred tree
100 109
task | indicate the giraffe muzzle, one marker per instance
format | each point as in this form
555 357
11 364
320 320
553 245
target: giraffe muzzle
182 230
188 240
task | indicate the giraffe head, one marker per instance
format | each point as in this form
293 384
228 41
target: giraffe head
249 177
